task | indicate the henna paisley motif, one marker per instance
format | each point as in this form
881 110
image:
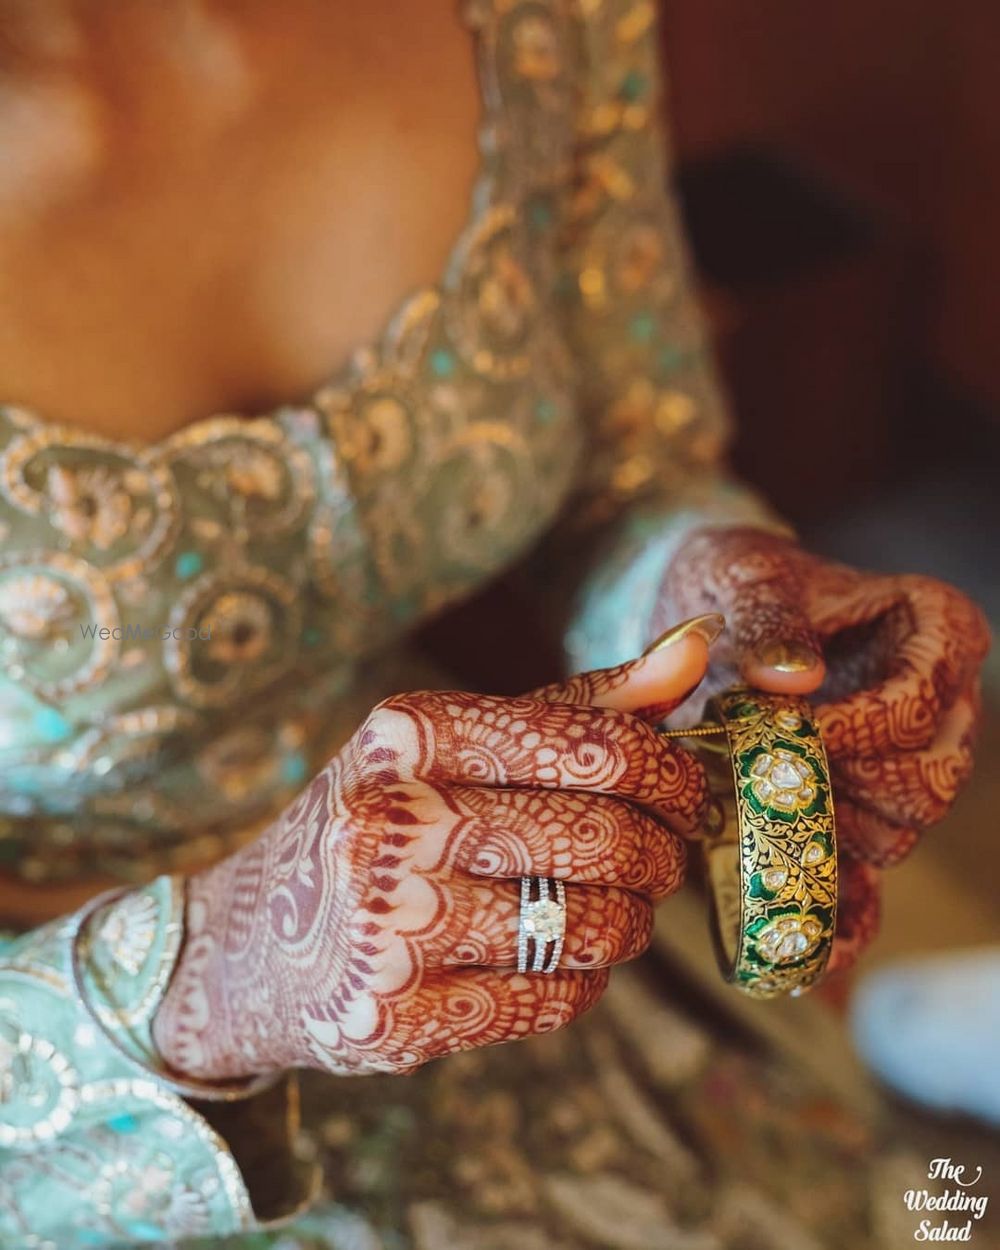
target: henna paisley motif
373 927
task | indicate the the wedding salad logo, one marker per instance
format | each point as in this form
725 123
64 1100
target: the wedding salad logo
962 1201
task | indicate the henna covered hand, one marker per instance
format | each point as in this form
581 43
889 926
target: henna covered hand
891 661
373 927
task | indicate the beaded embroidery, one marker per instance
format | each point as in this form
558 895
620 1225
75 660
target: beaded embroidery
90 1147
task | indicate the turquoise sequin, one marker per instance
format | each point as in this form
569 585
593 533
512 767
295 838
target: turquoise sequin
51 725
442 363
123 1123
189 564
634 86
144 1231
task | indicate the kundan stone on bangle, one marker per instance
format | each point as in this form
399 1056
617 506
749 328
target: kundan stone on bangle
772 860
774 876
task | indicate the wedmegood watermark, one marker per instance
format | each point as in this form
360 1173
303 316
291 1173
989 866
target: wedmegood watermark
962 1201
145 633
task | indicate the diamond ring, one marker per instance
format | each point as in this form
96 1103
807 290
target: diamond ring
542 923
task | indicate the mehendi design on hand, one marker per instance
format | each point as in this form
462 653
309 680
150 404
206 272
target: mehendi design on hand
755 578
858 909
898 705
557 833
373 927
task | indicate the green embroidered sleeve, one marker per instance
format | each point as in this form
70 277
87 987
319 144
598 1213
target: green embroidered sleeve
97 1147
647 385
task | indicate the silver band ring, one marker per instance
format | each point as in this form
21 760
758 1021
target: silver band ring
542 924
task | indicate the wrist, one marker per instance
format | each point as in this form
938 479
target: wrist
197 1028
620 608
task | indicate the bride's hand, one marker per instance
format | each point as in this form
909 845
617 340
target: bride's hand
374 926
893 664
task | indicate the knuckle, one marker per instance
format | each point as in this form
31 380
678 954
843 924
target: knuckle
405 1067
632 831
973 632
584 991
931 590
700 789
920 801
620 929
593 952
623 729
641 933
668 865
969 626
653 857
558 1003
956 772
379 720
394 703
932 810
750 567
683 784
864 836
920 584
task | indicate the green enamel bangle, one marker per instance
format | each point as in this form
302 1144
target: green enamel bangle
772 860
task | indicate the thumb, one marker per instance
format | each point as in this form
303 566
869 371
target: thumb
775 645
652 685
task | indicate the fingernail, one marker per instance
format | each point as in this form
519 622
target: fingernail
709 626
787 657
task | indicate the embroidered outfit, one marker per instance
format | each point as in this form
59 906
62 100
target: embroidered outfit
188 631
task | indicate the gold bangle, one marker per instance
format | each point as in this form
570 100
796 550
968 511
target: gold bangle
772 865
